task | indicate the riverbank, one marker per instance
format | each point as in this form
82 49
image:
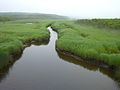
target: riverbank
16 36
99 63
93 44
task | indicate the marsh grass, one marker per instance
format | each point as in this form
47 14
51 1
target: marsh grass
14 35
89 42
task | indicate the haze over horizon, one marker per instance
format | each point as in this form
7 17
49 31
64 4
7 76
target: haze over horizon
71 8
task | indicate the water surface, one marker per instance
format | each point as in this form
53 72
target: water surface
42 68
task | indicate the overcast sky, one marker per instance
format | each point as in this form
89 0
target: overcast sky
74 8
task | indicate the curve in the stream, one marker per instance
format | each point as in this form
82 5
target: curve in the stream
42 68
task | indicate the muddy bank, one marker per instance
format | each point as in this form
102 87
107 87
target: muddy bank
93 61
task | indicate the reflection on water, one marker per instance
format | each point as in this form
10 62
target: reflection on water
42 68
115 75
6 63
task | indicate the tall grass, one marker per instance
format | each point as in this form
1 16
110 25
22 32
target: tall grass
89 42
13 36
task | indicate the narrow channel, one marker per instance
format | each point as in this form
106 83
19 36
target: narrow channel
43 68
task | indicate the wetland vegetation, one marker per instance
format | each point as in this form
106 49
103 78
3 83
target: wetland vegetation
14 36
88 41
19 30
92 44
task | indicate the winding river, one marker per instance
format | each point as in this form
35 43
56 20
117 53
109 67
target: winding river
42 68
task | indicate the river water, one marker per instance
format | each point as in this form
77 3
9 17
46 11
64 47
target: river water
43 68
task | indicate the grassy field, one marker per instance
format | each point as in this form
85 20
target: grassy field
19 30
15 35
89 42
101 23
80 37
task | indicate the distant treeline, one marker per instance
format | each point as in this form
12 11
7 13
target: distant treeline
4 19
108 23
24 16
